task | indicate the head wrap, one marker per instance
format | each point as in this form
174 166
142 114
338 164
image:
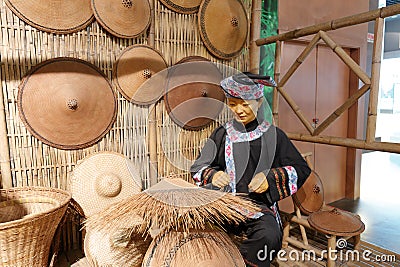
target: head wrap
241 86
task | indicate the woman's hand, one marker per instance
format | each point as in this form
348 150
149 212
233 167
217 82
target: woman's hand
259 183
220 179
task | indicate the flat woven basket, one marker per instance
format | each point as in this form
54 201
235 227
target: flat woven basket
29 217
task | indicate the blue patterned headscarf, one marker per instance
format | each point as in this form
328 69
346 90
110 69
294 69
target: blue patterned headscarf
240 86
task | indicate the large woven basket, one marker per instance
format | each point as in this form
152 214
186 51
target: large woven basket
29 217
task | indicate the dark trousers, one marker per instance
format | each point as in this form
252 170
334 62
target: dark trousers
263 240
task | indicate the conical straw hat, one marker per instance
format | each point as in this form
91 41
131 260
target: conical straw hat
100 250
135 74
123 18
67 103
103 179
173 203
53 15
223 27
183 6
203 248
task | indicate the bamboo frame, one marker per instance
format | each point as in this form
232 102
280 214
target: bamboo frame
277 74
345 58
300 59
333 24
375 72
370 83
340 110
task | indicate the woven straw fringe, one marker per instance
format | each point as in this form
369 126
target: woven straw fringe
26 236
171 209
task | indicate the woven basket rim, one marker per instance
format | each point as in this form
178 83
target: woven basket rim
36 216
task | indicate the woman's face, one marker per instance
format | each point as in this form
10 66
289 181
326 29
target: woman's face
245 110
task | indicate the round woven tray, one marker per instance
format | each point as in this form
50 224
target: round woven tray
29 217
223 27
183 6
192 85
138 74
124 19
53 16
310 197
67 103
336 222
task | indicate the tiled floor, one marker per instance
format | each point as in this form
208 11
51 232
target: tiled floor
379 204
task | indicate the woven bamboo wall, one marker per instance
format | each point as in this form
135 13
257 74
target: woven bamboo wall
177 36
22 46
37 164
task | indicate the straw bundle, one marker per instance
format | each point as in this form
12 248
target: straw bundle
172 204
29 217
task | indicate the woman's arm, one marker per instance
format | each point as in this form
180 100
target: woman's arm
211 158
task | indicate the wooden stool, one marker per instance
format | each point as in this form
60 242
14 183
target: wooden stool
311 212
334 223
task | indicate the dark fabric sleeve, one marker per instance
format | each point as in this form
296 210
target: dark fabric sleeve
289 170
211 158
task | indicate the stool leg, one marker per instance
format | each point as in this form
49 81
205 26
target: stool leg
286 229
357 242
302 228
331 247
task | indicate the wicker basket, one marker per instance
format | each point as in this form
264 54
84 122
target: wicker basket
29 217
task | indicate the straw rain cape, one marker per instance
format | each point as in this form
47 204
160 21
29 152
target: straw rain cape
172 204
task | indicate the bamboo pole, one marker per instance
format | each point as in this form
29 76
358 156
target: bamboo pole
285 236
255 29
300 59
333 24
152 131
345 58
302 228
5 167
345 106
347 142
286 77
296 109
375 74
277 73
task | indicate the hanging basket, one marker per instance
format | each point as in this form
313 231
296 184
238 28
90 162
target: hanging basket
29 217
